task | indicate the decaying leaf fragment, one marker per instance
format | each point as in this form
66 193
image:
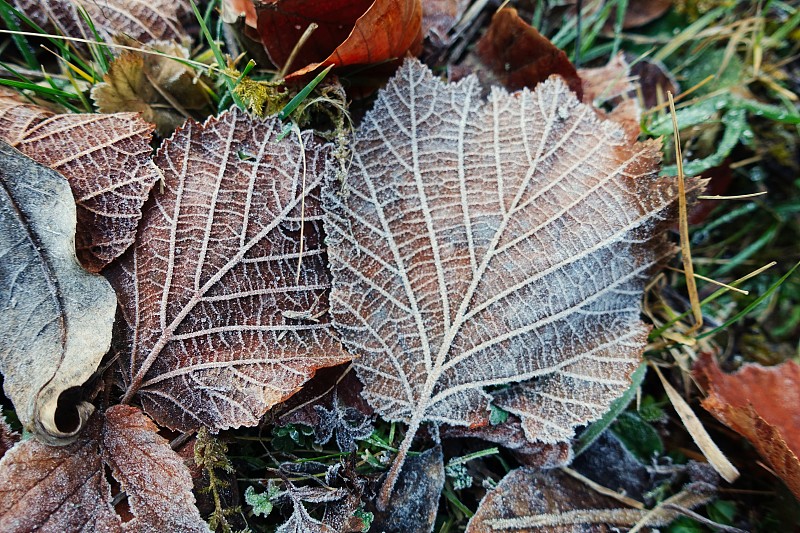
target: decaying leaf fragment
225 291
55 318
67 488
163 90
760 403
482 243
140 20
105 158
527 501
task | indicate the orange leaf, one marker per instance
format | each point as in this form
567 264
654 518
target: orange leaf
760 403
348 33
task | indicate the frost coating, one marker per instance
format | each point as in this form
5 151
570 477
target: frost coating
482 243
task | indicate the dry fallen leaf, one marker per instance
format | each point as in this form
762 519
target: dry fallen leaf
760 403
479 244
520 56
69 488
105 158
163 90
528 501
226 289
141 20
349 32
56 319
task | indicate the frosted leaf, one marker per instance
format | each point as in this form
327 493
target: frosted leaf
481 243
140 20
225 291
105 158
66 489
527 501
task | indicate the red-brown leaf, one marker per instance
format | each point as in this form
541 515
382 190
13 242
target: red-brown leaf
66 489
105 158
521 57
224 322
349 32
760 403
141 20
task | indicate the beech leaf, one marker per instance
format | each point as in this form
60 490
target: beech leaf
225 291
55 318
66 488
483 243
746 402
140 20
105 158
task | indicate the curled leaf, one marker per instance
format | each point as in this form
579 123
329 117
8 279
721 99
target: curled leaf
483 243
746 402
348 33
68 488
105 158
226 291
56 318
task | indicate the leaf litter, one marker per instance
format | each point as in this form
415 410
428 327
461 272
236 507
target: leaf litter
343 415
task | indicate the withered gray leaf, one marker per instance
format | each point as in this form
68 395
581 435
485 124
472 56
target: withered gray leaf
43 488
140 20
55 318
482 243
226 291
105 158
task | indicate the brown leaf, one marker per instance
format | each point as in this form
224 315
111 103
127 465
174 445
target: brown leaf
747 402
140 20
226 288
528 501
640 12
66 488
520 56
349 32
105 158
56 319
163 90
485 243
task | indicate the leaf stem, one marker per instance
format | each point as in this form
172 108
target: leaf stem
394 472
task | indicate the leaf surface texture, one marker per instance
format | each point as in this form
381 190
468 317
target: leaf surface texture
225 291
482 243
105 158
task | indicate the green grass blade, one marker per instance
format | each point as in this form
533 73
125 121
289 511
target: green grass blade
299 97
758 301
617 406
